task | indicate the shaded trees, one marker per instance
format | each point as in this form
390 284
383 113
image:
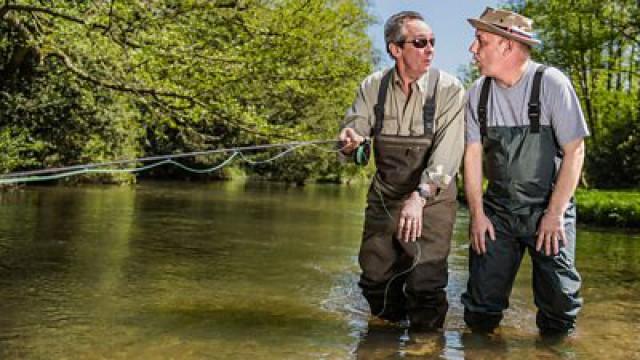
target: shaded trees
95 80
597 43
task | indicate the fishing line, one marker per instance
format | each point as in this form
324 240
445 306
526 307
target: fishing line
98 168
251 162
159 160
394 277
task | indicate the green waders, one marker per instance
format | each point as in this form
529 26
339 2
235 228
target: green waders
521 164
419 293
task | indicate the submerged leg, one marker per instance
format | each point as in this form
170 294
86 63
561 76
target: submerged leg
556 287
491 278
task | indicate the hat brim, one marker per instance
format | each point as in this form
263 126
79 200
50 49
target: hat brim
485 26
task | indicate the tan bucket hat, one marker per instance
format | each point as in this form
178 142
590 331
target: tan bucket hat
506 23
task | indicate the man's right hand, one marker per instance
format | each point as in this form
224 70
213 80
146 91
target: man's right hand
350 140
479 227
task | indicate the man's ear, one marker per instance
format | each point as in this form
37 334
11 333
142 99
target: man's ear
395 50
505 45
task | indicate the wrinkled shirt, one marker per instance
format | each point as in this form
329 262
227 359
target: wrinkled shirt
403 117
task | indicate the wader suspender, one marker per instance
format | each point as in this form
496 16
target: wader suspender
534 102
428 109
482 105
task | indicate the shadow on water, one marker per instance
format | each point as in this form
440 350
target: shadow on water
256 271
267 326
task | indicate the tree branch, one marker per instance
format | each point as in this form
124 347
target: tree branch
114 86
37 9
155 94
110 16
30 8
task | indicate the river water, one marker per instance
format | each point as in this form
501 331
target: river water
255 271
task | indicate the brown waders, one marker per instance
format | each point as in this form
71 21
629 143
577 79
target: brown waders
393 292
521 164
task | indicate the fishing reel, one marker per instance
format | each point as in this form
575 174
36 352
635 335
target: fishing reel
362 153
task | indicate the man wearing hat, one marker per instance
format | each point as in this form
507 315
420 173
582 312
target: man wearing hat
524 133
414 115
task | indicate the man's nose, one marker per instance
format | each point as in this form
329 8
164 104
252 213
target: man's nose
429 48
473 47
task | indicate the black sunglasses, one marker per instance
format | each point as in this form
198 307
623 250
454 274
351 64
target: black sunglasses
420 43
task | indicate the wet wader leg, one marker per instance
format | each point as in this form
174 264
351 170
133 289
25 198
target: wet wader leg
556 287
491 278
426 295
380 258
400 162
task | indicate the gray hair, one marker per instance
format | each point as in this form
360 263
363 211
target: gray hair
394 27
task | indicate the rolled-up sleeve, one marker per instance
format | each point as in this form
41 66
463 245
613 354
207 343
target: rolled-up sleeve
360 115
448 143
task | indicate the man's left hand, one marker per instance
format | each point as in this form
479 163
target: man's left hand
410 222
550 232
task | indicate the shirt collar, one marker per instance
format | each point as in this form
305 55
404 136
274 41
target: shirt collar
421 82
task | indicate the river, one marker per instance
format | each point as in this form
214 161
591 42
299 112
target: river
249 270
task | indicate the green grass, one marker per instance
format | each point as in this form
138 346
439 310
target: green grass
619 208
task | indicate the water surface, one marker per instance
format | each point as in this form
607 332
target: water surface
254 271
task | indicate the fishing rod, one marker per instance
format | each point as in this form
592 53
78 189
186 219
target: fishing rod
66 171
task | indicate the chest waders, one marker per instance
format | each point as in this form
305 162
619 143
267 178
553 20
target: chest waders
396 283
521 165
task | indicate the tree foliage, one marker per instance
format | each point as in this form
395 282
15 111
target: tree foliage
597 44
96 80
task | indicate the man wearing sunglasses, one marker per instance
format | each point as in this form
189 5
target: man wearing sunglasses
525 126
413 113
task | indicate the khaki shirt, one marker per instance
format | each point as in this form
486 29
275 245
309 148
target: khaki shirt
403 116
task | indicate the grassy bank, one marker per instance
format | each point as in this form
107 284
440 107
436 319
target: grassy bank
609 208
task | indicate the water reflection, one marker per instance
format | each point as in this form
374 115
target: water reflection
264 271
389 342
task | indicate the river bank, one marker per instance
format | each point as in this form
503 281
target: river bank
608 208
611 208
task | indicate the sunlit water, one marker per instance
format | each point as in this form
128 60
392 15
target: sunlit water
254 271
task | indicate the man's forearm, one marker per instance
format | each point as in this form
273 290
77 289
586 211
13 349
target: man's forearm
473 178
568 177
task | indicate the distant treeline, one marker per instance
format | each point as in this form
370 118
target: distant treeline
597 44
90 81
87 81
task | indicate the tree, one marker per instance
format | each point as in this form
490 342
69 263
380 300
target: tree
97 80
597 43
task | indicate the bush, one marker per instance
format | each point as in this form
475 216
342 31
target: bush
609 208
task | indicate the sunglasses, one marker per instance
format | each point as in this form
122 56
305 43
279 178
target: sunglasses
420 43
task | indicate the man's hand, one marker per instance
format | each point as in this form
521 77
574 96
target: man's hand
410 222
550 230
350 140
479 227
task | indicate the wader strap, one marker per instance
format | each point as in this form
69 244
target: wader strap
482 105
534 101
429 108
378 109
